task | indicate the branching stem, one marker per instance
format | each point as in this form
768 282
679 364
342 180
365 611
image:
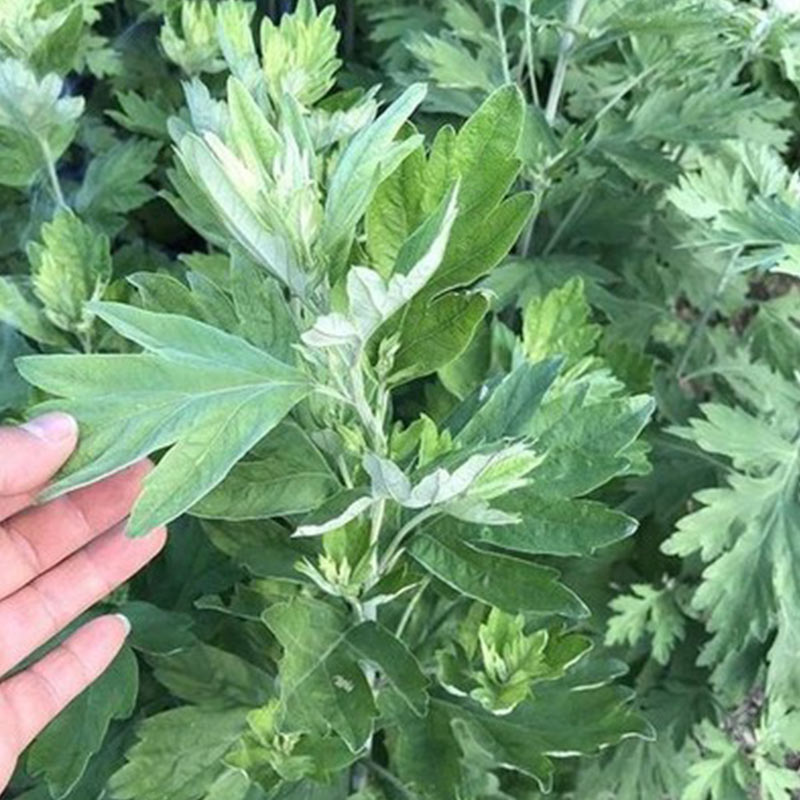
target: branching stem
574 11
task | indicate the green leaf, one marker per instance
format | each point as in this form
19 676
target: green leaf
283 474
69 269
557 526
479 245
747 533
373 643
396 211
509 583
179 754
647 610
555 723
435 334
19 310
207 676
265 319
485 150
37 124
299 55
372 301
211 395
264 549
322 687
253 138
62 751
588 446
558 324
14 392
370 155
424 751
114 183
157 631
195 47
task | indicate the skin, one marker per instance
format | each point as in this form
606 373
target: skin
56 561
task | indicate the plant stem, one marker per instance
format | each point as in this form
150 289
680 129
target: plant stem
574 11
439 620
706 315
393 550
384 773
412 604
524 246
568 217
530 54
501 41
51 174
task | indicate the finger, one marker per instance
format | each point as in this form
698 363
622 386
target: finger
38 538
35 613
29 700
32 453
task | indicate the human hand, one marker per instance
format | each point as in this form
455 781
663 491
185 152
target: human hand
57 560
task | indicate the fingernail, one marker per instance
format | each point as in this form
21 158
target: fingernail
125 622
53 427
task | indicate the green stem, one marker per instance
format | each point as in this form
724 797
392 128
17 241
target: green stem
567 219
706 315
51 174
501 41
393 550
412 604
574 11
438 621
387 776
526 241
530 54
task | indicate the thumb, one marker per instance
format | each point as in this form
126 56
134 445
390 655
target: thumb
32 453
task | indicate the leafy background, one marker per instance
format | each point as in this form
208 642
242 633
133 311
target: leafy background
649 209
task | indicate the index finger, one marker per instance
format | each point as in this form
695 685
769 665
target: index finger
30 455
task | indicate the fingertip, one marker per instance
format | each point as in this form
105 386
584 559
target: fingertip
158 537
54 428
34 451
101 639
125 622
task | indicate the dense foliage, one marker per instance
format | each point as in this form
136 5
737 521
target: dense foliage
464 335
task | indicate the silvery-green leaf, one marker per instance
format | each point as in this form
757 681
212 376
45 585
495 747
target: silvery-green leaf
69 268
299 54
233 192
479 512
370 153
19 309
195 48
206 394
372 300
388 480
442 485
336 512
332 330
251 135
235 37
37 123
